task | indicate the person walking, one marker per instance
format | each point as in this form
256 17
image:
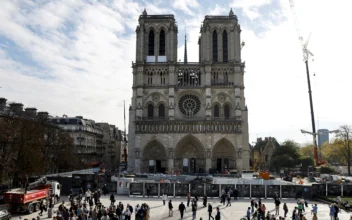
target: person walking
188 198
88 195
285 210
315 209
229 198
182 209
127 213
337 209
164 198
217 216
252 205
41 208
170 208
277 206
205 199
112 199
194 210
210 210
248 213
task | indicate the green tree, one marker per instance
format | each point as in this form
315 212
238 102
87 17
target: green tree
343 143
306 162
285 156
332 154
307 150
327 169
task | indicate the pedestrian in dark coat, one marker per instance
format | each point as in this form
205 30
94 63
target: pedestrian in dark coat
205 199
171 213
182 209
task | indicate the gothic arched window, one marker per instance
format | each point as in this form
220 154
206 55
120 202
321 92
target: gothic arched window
151 43
162 43
224 47
161 111
227 111
150 111
215 46
216 111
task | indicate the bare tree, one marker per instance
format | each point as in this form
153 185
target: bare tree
34 146
343 142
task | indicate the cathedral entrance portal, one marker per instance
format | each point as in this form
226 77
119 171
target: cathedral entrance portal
154 159
190 155
223 156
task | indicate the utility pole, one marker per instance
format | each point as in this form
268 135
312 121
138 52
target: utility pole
124 137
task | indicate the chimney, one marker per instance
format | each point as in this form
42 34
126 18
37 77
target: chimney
43 115
2 104
31 111
16 108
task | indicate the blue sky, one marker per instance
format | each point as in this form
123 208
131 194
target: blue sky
74 57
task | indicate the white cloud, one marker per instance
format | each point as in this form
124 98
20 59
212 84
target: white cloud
89 68
250 8
248 4
218 10
185 5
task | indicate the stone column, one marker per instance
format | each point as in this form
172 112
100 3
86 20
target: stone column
208 161
137 160
170 161
239 159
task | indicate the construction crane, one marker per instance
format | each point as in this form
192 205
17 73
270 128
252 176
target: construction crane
306 55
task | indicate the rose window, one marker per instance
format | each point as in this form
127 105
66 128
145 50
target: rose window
189 105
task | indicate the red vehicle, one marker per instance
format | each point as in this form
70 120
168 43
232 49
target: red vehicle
28 200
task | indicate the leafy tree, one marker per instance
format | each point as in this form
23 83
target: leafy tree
306 162
332 153
326 169
343 143
307 150
286 155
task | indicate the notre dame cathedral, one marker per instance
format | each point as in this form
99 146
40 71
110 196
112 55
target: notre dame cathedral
188 117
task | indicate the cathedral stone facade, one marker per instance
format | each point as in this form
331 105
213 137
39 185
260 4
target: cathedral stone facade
188 117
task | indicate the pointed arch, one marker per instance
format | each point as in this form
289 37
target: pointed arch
150 111
223 155
162 43
161 110
216 113
154 157
225 54
215 46
227 110
151 39
190 155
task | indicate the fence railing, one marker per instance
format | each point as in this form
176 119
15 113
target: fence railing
243 190
216 190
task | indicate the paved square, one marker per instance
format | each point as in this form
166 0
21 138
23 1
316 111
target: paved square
235 212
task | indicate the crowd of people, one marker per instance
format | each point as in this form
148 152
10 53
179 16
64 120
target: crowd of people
87 206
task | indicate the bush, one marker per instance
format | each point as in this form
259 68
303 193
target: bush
327 169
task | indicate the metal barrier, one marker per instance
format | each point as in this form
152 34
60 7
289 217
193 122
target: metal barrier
215 190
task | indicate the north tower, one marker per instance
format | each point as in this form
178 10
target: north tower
188 117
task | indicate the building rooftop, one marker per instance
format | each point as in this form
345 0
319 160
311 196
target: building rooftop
261 143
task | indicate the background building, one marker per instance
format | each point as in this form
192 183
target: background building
262 153
87 136
112 139
188 117
323 136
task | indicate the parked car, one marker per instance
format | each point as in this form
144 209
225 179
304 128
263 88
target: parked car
5 215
